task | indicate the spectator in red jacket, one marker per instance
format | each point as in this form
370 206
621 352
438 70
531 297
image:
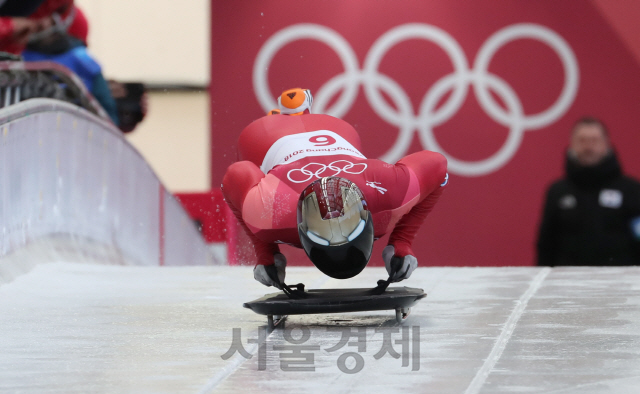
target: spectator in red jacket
15 32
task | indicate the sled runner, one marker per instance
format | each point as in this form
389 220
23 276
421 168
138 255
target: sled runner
295 300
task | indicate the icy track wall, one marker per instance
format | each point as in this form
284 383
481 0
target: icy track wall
66 173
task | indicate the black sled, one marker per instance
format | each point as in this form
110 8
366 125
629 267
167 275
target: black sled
295 300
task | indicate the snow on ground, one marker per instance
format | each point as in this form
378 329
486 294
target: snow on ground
68 327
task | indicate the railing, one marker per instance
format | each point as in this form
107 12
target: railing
20 81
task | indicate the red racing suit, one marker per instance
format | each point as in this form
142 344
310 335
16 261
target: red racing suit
281 155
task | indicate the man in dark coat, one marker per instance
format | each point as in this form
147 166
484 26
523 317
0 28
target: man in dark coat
591 217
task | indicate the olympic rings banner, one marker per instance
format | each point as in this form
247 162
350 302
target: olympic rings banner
494 85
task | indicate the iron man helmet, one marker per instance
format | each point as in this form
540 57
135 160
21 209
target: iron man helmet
335 227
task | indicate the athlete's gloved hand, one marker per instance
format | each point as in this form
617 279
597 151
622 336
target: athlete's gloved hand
400 267
271 275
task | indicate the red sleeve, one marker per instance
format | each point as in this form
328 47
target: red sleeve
7 43
6 28
239 179
431 171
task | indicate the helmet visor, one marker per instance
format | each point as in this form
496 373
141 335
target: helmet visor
333 213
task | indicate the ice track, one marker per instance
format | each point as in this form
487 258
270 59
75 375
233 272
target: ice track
72 327
97 295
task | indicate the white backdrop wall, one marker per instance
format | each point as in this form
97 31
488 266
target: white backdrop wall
154 41
161 42
174 139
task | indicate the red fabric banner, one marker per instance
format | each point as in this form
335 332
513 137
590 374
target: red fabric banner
494 85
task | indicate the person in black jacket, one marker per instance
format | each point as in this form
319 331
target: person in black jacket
591 217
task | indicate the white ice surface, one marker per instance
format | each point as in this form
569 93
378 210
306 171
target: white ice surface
88 328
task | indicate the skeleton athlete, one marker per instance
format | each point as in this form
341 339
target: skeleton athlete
303 181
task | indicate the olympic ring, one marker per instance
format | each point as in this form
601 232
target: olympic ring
323 167
430 115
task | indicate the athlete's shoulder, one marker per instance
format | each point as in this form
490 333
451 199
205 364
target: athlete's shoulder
437 158
434 160
256 139
429 167
437 163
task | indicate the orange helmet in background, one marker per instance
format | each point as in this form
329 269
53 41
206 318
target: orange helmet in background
295 101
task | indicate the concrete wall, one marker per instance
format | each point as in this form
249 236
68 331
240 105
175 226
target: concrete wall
64 171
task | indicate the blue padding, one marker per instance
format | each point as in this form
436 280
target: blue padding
635 227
